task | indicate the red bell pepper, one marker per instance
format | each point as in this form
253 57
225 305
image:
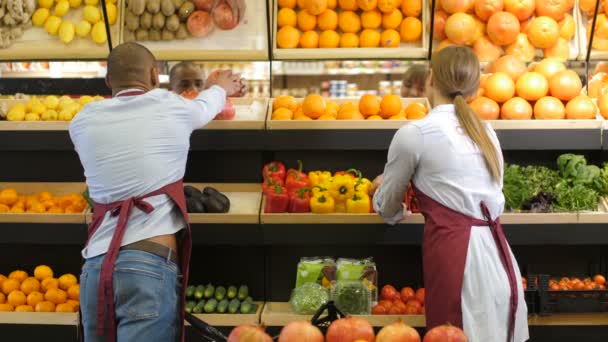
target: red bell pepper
296 179
270 183
299 201
411 202
277 200
274 169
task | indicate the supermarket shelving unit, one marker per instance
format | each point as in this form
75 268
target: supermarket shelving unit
248 246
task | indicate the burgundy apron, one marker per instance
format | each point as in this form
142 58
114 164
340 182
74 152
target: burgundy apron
444 252
106 314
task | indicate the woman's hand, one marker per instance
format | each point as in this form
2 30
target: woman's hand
376 184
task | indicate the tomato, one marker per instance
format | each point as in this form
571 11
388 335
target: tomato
407 293
420 294
389 292
411 310
394 311
386 303
554 287
379 310
599 279
415 303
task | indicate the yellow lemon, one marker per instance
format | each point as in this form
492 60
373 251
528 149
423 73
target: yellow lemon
62 8
49 115
51 102
32 117
83 28
112 13
16 113
40 16
91 2
75 3
52 25
66 32
64 101
91 14
99 33
46 3
65 115
83 100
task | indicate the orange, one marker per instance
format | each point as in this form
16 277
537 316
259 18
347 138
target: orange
510 65
17 209
308 40
8 197
603 104
6 308
480 29
369 105
2 298
549 108
18 275
411 8
288 37
34 298
567 27
284 101
306 21
301 117
485 108
350 115
390 105
348 5
374 117
49 283
543 32
55 210
64 307
439 27
56 296
411 29
45 306
387 6
332 108
369 38
349 22
565 85
485 50
367 5
30 201
316 7
522 9
516 109
599 279
329 39
2 279
328 20
325 117
499 87
415 110
45 196
532 86
332 4
347 107
287 4
4 208
399 116
314 106
282 114
587 6
561 50
16 298
24 308
392 20
581 107
484 9
37 208
555 9
522 48
74 303
451 6
30 285
349 40
48 204
443 44
524 26
371 19
503 28
460 28
390 38
548 67
286 17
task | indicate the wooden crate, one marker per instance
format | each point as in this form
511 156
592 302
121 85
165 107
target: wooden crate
418 50
342 124
245 202
53 188
246 42
36 43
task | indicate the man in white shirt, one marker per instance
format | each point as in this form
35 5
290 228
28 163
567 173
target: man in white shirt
131 145
189 77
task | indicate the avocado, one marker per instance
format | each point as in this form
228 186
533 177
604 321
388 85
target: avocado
223 199
199 307
189 306
220 293
243 292
191 191
249 299
209 291
232 291
234 306
199 292
190 291
195 205
210 305
246 307
222 306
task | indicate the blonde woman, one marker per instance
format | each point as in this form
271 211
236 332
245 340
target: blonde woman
455 164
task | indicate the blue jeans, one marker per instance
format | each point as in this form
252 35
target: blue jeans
146 298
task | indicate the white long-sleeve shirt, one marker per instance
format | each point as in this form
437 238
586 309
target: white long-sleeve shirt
132 145
443 163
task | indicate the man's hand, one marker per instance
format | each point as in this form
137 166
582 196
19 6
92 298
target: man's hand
376 184
238 8
227 80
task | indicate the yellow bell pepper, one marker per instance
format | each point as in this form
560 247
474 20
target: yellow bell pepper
359 204
340 206
364 185
342 188
323 187
318 177
322 203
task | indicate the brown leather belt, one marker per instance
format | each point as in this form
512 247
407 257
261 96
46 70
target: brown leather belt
154 248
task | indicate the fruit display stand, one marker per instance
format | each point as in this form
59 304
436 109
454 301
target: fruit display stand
248 41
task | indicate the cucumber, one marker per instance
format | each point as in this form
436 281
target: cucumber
222 307
234 306
232 291
199 292
190 291
249 299
199 307
189 306
209 291
210 306
243 292
246 308
220 293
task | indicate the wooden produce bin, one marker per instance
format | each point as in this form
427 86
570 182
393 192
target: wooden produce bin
232 320
39 318
341 124
278 314
37 44
250 114
246 42
415 50
57 189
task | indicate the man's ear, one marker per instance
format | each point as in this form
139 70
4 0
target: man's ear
154 78
108 81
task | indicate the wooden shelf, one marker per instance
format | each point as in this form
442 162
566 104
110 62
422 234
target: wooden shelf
232 320
344 72
53 188
546 124
39 318
250 114
587 319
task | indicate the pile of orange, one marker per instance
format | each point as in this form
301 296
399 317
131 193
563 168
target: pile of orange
13 202
370 107
513 27
588 284
600 39
548 91
39 292
348 23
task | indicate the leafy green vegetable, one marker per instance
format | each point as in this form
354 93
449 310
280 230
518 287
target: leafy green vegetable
575 197
352 297
308 298
522 184
601 183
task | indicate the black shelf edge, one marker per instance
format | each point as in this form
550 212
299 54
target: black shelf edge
227 234
43 233
550 139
